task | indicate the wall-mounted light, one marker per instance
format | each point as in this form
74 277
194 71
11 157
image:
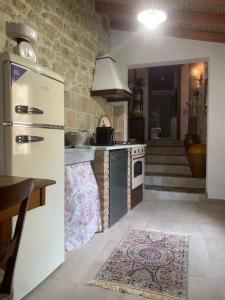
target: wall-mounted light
152 18
197 76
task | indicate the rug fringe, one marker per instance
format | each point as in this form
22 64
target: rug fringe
124 289
163 231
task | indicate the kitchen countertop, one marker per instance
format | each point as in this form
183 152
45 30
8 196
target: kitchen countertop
115 147
78 155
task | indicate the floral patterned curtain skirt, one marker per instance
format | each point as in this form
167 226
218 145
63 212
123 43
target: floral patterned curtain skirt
82 205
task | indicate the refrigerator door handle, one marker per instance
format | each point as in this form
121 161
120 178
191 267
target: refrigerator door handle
26 139
26 109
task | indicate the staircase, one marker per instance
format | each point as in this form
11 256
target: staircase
168 175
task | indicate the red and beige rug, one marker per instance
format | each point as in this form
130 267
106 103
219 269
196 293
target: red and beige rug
152 264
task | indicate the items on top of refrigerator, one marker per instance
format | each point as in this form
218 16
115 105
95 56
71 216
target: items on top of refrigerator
24 35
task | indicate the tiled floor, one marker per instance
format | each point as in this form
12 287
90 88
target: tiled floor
206 223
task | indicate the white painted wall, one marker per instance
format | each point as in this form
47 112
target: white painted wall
184 100
143 50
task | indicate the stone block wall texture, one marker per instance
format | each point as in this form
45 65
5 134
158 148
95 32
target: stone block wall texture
118 121
71 36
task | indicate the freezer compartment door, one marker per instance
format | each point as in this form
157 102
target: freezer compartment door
42 245
31 97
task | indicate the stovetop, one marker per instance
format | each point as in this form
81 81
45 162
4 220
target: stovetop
124 143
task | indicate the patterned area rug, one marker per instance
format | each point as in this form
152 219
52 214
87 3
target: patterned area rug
152 264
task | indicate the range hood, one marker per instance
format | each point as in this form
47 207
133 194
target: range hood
107 81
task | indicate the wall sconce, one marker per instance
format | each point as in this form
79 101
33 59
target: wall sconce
198 81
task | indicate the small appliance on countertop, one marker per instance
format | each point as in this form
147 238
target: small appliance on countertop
105 136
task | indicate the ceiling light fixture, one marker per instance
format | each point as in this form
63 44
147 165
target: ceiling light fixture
152 17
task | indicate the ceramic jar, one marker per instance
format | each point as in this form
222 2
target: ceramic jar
196 154
77 138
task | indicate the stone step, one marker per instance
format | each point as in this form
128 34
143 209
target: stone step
177 194
168 169
172 181
165 142
166 159
168 175
165 150
175 189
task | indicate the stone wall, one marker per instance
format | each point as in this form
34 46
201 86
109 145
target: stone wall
71 35
120 115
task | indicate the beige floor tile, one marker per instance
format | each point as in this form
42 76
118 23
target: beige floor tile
52 289
205 222
203 289
199 260
86 292
131 297
221 286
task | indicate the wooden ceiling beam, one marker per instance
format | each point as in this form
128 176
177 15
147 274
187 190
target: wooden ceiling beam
176 16
196 18
195 35
215 1
172 32
211 1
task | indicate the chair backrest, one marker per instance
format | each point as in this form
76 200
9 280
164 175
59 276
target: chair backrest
10 196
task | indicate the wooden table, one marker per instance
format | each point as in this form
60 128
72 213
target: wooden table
37 199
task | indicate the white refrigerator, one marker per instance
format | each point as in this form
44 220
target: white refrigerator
32 145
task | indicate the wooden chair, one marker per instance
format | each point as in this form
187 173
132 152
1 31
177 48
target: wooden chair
17 194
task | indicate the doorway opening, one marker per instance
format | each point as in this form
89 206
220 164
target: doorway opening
164 102
169 102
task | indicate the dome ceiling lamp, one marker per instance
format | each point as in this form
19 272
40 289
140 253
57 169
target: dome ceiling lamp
152 17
